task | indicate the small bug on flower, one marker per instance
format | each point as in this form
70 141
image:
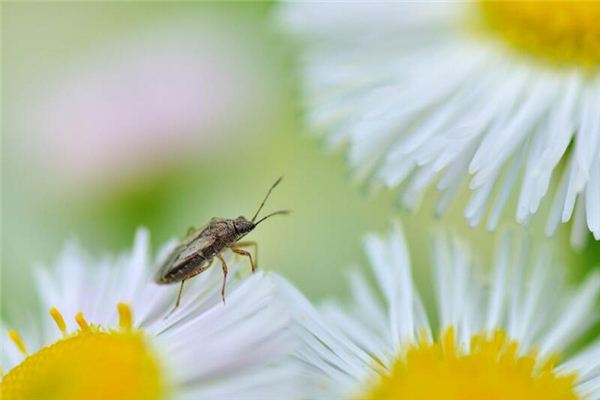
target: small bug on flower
197 252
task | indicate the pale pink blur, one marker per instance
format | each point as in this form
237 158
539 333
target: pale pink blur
148 103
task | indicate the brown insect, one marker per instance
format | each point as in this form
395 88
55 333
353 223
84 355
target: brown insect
197 252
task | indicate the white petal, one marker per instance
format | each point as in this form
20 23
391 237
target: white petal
399 81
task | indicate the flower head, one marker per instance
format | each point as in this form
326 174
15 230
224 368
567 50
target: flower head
109 335
151 99
496 334
505 95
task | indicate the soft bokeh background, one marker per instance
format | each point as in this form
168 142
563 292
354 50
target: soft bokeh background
119 115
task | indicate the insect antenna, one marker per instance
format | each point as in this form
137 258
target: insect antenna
266 197
280 212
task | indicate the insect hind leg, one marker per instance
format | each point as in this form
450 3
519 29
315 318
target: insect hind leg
180 293
225 270
178 300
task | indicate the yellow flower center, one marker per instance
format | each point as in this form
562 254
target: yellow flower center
491 370
559 32
91 363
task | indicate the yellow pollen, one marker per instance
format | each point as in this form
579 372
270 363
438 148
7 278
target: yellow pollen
125 320
16 338
91 364
558 32
490 369
59 320
83 325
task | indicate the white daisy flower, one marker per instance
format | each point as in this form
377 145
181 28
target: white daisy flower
109 335
494 336
497 94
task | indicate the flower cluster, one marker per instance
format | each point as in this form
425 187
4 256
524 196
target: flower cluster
499 94
110 333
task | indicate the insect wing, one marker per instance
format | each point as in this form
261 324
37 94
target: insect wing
194 246
169 262
183 252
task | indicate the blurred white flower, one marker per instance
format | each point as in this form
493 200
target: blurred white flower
108 336
158 97
502 94
494 335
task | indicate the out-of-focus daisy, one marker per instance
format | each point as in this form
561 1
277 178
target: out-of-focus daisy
507 93
493 337
159 97
108 337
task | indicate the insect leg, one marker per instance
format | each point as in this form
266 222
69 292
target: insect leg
179 295
178 300
244 253
250 244
224 265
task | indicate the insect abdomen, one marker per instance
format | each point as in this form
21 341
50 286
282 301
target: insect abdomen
191 267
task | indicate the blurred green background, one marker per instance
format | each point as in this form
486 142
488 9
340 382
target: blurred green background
120 115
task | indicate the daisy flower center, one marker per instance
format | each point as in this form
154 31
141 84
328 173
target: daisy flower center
492 369
562 32
92 363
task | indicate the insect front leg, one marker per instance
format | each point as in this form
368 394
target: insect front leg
245 253
249 244
224 265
